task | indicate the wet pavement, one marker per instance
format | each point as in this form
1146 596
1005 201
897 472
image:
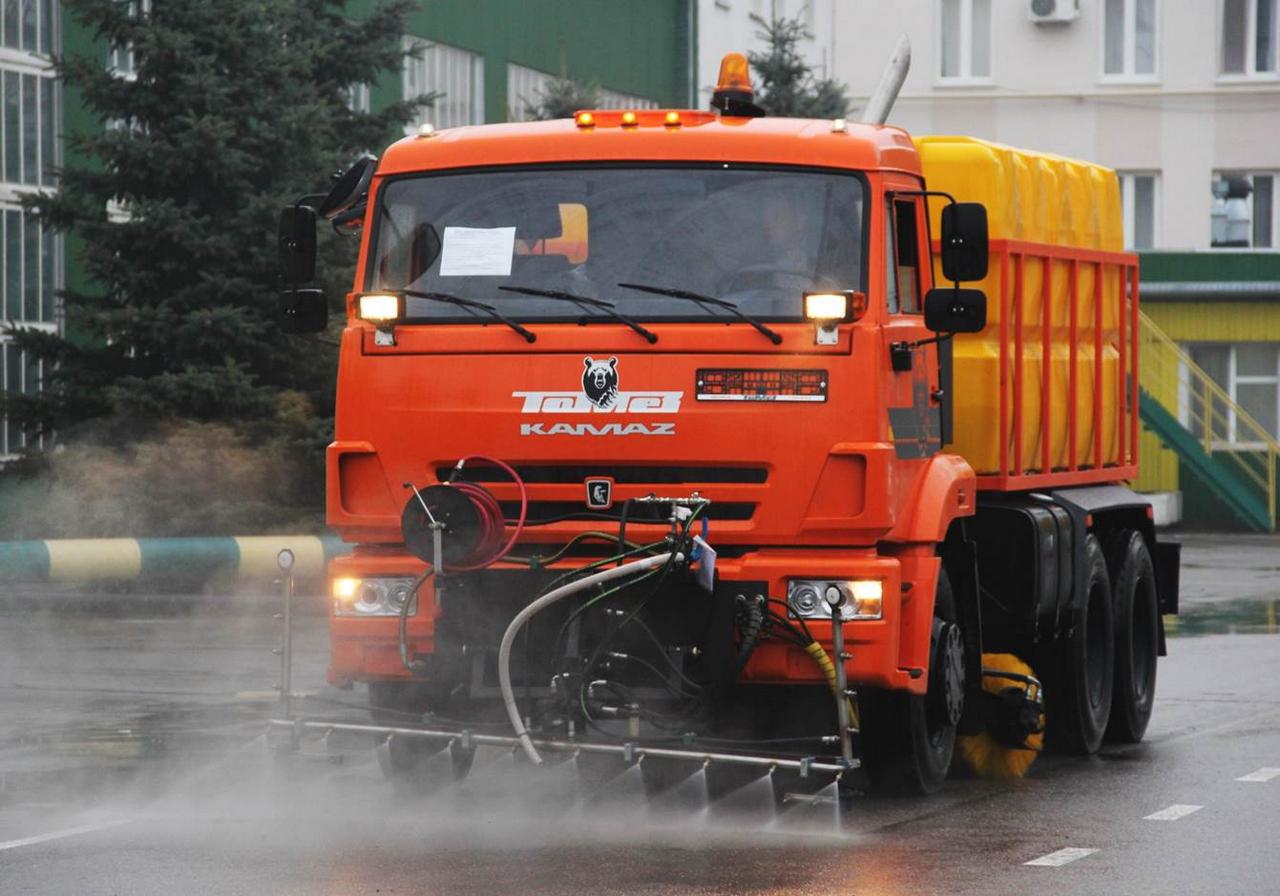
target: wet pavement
133 760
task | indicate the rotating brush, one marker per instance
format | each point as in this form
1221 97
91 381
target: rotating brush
1014 714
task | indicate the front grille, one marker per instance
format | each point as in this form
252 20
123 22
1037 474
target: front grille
574 474
555 511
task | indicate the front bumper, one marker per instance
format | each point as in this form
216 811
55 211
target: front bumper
368 648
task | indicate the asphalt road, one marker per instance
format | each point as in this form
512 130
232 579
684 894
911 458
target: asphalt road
133 760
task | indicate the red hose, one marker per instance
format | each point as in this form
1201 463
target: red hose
490 547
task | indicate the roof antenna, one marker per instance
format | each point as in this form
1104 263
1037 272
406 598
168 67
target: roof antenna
886 92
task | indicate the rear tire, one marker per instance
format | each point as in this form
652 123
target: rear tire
908 740
1137 630
1080 667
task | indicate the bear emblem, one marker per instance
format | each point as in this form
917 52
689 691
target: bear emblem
600 382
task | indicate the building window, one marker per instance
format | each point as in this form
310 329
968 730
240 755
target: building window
524 91
455 74
1138 198
1249 372
29 25
1129 38
965 31
357 98
1249 37
616 99
1244 210
21 373
121 60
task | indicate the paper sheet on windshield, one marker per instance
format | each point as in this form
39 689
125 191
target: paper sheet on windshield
477 251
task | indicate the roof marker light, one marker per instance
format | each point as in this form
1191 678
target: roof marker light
426 129
672 120
629 119
839 126
585 120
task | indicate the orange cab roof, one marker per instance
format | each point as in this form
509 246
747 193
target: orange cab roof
700 137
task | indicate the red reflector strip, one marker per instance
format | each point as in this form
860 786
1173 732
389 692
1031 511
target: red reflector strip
762 385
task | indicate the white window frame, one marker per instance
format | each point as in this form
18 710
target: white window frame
966 78
1272 173
1129 76
534 80
1128 197
433 114
128 71
1234 379
1250 44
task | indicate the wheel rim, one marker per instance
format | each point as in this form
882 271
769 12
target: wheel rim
942 712
1095 655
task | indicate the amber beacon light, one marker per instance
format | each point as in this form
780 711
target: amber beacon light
733 96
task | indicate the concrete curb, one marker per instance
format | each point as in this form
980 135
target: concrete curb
243 557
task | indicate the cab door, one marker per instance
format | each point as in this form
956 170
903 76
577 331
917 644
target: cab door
912 385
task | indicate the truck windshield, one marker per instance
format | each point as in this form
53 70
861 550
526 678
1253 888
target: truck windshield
759 237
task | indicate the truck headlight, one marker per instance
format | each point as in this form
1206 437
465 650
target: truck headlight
812 598
374 596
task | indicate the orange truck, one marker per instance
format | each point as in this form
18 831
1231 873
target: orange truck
656 438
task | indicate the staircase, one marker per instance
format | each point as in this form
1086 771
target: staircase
1212 435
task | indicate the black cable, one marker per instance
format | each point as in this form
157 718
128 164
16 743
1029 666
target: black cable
808 634
622 520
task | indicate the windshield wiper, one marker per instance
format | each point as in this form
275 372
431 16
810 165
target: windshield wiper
584 302
705 300
471 303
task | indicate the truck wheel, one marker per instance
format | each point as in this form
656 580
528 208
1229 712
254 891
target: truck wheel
1137 625
1080 666
908 740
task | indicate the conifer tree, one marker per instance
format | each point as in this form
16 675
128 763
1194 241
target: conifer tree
785 84
233 108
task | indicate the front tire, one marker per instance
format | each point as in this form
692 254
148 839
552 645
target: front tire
908 740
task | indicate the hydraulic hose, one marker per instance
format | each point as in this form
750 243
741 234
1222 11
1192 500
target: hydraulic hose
551 597
750 635
490 546
819 655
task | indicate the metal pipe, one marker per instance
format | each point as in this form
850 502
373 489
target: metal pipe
563 746
886 92
842 684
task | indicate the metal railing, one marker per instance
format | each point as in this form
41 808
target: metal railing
1224 429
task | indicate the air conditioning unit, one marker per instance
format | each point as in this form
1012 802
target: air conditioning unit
1053 12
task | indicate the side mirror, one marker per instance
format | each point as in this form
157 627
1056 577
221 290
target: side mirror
297 236
349 189
964 242
302 311
948 310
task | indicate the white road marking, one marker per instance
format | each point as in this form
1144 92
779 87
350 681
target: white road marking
1173 813
1061 857
58 835
1262 774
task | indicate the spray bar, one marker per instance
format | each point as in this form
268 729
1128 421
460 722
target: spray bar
628 751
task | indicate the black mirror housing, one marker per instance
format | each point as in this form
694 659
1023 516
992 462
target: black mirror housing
297 238
964 242
349 189
948 310
302 311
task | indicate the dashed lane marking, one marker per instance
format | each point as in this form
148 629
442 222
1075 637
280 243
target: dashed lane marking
1263 774
58 835
1173 813
1061 857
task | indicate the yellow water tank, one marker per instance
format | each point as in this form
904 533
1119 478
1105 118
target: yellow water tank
1037 203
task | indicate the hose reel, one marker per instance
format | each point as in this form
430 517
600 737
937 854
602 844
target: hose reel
468 517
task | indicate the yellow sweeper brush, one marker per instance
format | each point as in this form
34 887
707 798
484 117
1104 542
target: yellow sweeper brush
1014 733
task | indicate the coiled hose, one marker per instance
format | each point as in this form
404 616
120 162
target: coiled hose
489 547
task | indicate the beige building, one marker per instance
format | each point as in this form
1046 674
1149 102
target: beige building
730 26
1176 95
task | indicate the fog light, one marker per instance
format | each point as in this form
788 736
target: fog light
804 601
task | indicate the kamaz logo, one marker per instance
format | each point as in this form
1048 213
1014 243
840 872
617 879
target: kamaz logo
601 429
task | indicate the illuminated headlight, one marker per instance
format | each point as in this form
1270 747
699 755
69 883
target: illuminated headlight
370 597
380 308
826 308
814 598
